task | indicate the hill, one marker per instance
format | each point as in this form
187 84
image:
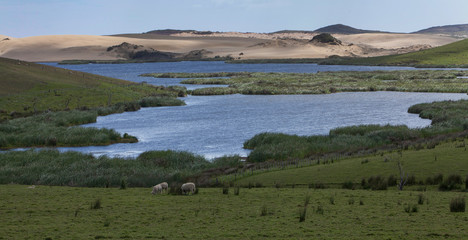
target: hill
450 55
28 87
343 29
459 30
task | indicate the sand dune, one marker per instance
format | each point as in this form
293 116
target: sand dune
90 47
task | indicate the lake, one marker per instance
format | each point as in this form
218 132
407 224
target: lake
218 125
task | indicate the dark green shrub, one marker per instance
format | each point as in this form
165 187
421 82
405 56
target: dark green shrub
452 182
96 204
421 199
377 183
263 210
123 184
392 180
348 185
457 204
236 190
411 208
225 190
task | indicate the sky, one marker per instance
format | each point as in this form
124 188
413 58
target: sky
23 18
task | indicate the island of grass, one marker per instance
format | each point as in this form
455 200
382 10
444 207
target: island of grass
325 82
39 104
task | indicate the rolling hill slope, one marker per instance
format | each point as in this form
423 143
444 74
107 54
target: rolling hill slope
28 87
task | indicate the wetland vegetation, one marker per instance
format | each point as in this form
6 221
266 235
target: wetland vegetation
327 82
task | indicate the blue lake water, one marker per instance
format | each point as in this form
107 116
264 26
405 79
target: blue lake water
218 125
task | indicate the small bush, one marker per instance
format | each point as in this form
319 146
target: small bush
225 190
348 185
392 180
453 182
411 208
258 185
457 204
421 199
236 191
377 183
264 211
351 201
96 204
332 200
123 184
411 180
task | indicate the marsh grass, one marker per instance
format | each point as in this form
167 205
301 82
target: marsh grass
50 167
58 129
331 82
458 204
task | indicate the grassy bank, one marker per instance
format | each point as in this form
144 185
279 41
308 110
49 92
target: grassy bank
257 213
54 129
331 82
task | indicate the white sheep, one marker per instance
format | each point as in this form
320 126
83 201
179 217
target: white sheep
164 186
157 189
188 187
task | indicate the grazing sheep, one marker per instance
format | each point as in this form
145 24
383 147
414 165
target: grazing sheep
164 186
157 189
188 187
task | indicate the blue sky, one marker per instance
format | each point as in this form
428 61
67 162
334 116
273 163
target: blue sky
22 18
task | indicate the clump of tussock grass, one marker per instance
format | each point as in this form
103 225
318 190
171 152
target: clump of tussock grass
236 191
348 185
452 182
96 204
226 190
411 208
264 210
458 204
421 198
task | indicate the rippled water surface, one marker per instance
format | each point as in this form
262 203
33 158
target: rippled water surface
218 125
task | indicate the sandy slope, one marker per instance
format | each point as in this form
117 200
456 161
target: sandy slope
63 47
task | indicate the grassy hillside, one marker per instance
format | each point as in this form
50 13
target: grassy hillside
422 162
450 55
27 88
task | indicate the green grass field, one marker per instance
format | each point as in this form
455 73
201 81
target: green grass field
258 213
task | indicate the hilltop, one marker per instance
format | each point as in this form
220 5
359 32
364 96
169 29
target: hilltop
459 30
343 29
